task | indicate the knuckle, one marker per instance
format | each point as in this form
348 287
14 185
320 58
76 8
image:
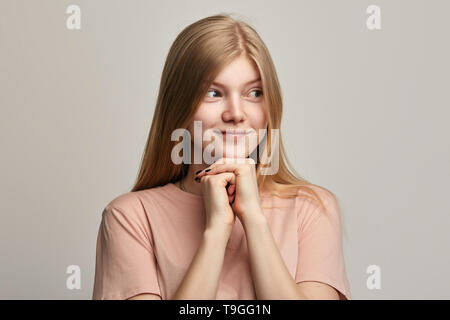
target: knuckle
207 179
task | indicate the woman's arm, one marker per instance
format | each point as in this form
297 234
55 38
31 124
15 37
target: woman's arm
202 277
271 278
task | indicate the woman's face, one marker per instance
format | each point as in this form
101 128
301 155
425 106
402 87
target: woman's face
234 102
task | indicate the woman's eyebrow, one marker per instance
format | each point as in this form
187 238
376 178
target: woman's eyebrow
247 83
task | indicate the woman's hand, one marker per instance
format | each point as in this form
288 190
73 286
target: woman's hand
219 214
243 189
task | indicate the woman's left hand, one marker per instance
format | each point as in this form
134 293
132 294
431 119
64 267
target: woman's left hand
246 202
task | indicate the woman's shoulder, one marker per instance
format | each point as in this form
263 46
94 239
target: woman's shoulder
323 203
125 205
136 201
319 193
308 192
310 199
124 201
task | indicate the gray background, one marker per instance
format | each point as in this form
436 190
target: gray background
365 115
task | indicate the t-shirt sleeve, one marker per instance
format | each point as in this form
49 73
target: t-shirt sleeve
320 251
125 261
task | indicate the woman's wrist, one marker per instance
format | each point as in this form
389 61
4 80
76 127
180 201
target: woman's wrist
255 217
217 235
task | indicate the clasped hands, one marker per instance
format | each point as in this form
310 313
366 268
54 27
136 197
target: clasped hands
242 190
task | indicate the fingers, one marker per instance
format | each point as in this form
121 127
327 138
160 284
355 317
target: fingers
229 178
226 179
223 179
231 189
231 198
228 165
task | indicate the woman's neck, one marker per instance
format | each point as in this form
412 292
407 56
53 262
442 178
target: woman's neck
188 183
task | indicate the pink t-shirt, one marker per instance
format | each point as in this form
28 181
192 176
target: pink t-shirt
147 239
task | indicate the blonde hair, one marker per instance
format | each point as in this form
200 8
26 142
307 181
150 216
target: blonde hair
195 58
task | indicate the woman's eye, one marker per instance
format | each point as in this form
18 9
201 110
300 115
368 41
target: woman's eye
258 92
211 91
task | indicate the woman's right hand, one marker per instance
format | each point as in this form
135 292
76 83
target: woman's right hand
219 214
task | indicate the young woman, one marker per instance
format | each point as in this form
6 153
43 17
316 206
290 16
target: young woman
175 234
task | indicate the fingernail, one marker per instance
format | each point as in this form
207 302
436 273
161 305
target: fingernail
207 170
199 171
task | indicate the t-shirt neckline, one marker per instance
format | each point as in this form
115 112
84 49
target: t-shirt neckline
195 197
184 194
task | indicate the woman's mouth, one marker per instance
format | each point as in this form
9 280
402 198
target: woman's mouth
233 132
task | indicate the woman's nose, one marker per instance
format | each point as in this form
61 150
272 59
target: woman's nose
233 110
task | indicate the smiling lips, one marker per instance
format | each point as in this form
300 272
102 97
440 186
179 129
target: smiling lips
234 132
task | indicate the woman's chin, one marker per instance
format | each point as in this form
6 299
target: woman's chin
234 154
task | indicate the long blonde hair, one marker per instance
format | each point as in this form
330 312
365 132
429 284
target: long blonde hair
194 59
